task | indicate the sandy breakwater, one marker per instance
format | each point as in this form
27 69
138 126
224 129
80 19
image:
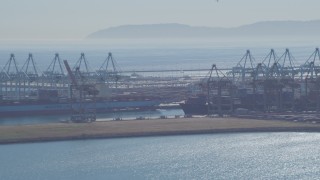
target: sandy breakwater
137 128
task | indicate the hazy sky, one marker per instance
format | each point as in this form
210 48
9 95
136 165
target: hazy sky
75 19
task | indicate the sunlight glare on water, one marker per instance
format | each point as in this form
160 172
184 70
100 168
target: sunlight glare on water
222 156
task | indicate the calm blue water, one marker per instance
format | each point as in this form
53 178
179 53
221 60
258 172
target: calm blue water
221 156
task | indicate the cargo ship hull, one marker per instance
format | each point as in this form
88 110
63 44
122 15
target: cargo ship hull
194 109
17 109
195 105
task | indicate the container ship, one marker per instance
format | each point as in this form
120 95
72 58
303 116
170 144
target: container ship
274 85
47 108
47 102
199 105
195 105
28 92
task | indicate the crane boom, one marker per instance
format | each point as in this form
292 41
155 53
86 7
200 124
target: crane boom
71 75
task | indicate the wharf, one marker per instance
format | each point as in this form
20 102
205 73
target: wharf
139 128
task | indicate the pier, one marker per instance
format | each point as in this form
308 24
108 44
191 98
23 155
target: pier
273 84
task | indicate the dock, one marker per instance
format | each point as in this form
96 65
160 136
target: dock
275 84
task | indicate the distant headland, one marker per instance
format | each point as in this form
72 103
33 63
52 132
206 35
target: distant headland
174 30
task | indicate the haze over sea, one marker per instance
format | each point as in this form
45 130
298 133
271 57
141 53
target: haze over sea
155 54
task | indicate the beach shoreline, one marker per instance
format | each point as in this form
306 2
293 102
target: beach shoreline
145 128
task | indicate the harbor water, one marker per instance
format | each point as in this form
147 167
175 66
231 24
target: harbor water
220 156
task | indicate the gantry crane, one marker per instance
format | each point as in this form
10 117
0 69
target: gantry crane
80 91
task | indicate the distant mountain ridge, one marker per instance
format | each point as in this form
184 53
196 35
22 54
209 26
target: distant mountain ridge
174 30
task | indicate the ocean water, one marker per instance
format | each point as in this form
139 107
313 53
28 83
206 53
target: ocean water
219 156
